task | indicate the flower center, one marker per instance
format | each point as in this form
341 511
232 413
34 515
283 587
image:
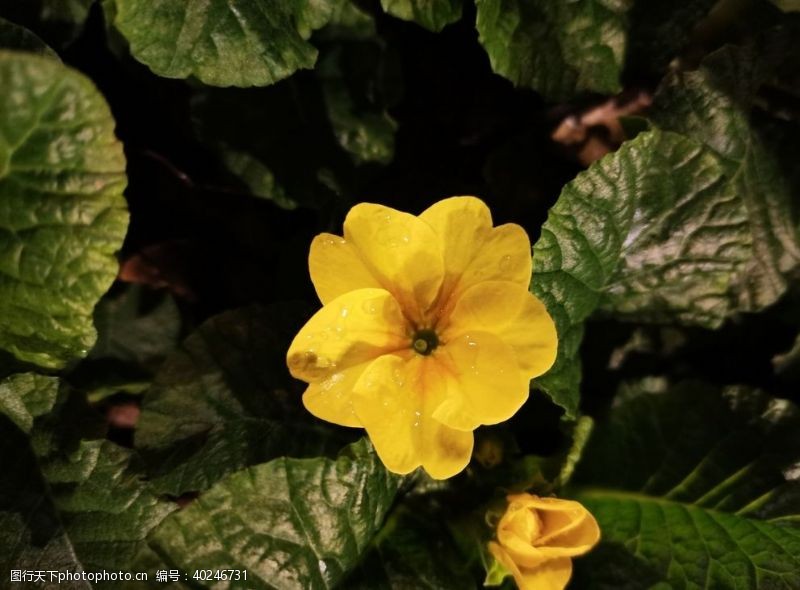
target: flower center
425 341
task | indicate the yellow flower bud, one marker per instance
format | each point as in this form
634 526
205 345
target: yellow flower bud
538 537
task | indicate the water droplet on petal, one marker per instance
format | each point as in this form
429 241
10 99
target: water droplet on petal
505 263
371 306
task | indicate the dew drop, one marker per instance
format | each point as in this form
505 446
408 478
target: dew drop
505 263
371 306
398 377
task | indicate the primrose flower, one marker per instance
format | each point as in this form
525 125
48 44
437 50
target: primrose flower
428 330
538 537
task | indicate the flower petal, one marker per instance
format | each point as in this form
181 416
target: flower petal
513 314
401 251
331 399
336 268
354 328
394 399
473 250
486 385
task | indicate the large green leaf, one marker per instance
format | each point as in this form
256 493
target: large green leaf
62 214
291 523
223 42
655 231
713 105
431 14
225 400
694 487
68 504
557 48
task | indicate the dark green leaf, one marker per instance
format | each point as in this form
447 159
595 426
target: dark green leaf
19 38
655 231
68 504
58 22
225 400
223 42
62 214
136 326
787 5
694 487
276 140
291 523
659 29
401 556
351 76
431 14
557 48
713 105
25 397
258 179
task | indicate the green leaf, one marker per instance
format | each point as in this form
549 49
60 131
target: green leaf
223 42
62 214
26 396
69 504
713 105
348 22
136 326
557 48
401 555
282 132
434 15
787 5
58 22
694 487
225 400
19 38
654 231
313 518
351 77
258 179
659 30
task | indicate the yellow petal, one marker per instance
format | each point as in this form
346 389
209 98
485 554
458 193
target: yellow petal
350 330
331 398
550 575
336 268
402 252
394 399
513 314
486 386
473 250
577 531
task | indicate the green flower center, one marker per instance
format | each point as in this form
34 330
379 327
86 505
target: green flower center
425 342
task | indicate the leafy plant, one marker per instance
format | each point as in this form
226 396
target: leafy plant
164 169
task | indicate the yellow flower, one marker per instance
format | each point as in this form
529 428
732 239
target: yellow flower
428 330
538 537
